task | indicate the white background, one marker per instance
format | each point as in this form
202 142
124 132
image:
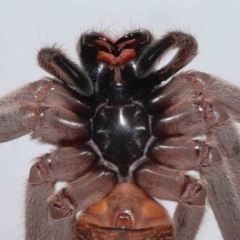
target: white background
26 26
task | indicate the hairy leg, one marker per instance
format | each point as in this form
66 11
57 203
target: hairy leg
46 108
174 185
49 215
197 134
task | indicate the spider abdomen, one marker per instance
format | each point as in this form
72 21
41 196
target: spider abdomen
121 133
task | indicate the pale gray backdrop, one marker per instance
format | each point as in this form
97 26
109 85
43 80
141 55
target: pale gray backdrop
27 25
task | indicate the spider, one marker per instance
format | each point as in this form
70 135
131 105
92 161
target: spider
126 137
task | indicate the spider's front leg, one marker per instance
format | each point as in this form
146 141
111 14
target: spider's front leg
187 50
48 108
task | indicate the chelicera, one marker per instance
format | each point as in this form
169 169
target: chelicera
124 137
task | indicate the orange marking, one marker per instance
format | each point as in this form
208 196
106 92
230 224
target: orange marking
99 208
106 58
152 209
125 56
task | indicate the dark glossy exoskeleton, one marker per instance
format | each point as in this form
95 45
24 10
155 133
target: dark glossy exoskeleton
125 138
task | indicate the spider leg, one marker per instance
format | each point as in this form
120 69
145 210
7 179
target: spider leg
187 46
218 183
54 61
174 185
63 164
45 215
227 97
196 133
78 196
35 107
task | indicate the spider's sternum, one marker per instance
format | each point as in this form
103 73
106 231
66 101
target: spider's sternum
121 133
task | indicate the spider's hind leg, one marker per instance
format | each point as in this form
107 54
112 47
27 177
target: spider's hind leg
173 185
51 215
42 178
